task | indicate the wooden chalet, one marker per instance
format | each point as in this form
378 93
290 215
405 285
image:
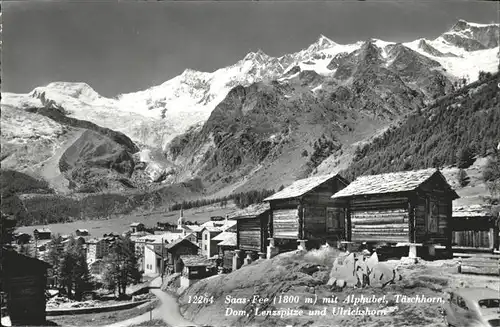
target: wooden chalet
194 268
252 231
226 246
305 211
24 280
42 234
412 207
474 227
136 227
82 232
175 250
22 238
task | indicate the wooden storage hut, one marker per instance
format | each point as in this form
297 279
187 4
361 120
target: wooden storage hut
305 211
25 282
194 268
82 232
252 227
42 234
411 207
226 246
474 227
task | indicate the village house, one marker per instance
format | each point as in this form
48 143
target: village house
208 245
175 250
136 235
225 248
305 211
82 232
194 268
474 227
155 252
212 229
166 226
42 234
192 238
22 238
252 227
97 248
412 208
25 282
136 227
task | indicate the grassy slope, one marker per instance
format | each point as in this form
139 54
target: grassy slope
282 275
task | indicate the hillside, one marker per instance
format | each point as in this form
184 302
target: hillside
259 123
272 133
297 276
468 119
57 168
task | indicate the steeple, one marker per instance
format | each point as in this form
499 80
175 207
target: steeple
180 221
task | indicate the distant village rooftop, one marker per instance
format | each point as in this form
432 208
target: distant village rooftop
176 243
302 186
196 261
390 183
252 211
226 238
43 230
168 236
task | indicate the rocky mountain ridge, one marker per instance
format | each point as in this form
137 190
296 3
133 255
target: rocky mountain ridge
260 123
154 116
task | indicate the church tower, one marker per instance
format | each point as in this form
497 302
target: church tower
180 221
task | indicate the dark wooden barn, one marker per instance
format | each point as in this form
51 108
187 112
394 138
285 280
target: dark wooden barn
194 268
411 207
305 211
25 282
175 250
252 227
474 227
42 234
226 245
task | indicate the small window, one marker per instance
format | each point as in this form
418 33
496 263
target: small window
206 237
205 247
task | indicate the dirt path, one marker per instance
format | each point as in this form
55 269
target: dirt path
168 311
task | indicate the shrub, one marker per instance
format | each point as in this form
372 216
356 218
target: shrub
463 178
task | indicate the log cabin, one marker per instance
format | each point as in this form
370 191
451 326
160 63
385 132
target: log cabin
226 246
411 207
305 211
25 282
252 227
175 250
474 228
194 268
42 234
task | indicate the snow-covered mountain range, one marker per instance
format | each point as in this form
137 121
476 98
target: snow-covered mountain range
152 117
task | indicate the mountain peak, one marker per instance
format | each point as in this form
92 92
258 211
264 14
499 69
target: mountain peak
256 56
72 89
321 43
463 24
324 41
